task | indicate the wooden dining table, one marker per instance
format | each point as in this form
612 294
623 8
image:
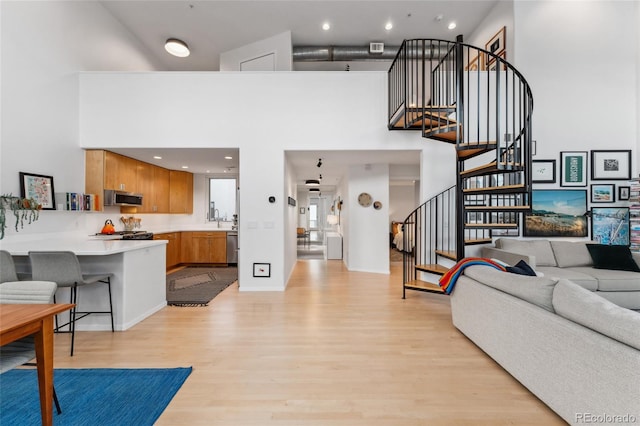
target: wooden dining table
21 320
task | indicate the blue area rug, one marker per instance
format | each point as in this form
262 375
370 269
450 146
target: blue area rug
96 396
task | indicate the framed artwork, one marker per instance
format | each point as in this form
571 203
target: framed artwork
262 270
302 210
557 213
573 168
475 64
497 43
291 201
610 225
38 187
492 65
603 193
544 171
624 193
611 165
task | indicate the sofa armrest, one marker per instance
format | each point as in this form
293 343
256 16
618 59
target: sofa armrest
507 256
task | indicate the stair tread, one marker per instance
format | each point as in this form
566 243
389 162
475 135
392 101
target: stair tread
424 285
478 241
433 268
495 208
448 254
491 225
487 169
493 188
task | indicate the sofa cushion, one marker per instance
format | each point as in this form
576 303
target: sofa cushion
536 290
611 279
541 249
612 257
586 308
568 253
579 275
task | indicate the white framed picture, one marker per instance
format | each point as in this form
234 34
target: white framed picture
543 171
262 270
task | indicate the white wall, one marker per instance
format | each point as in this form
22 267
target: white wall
368 227
582 75
193 110
401 202
276 49
44 44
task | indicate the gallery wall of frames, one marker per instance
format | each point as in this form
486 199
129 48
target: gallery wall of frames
596 198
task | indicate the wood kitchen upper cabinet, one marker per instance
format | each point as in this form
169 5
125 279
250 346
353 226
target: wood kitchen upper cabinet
145 186
160 190
204 247
173 247
180 192
120 172
107 170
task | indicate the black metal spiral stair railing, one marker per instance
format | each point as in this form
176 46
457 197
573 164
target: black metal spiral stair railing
471 98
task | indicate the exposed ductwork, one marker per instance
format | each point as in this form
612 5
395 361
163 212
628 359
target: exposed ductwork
341 53
354 53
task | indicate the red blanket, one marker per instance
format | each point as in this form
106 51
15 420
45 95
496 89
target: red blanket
448 280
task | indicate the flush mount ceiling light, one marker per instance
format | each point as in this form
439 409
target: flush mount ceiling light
388 26
326 26
228 157
177 47
314 189
451 25
312 182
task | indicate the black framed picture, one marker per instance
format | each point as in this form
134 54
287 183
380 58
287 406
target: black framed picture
624 193
39 188
573 168
610 225
262 270
611 165
603 193
544 171
557 213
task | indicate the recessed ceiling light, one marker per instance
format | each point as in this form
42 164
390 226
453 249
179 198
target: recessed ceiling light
185 167
208 171
177 47
452 25
157 157
228 157
388 26
326 26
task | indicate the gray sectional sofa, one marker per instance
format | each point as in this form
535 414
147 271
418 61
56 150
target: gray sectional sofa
572 261
576 351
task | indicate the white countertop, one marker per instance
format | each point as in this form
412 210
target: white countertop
82 246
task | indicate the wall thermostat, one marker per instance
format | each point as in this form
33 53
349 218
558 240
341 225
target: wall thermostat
272 199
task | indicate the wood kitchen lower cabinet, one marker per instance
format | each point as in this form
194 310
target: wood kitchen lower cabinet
173 247
204 247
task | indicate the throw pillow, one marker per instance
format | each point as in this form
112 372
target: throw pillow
612 257
522 268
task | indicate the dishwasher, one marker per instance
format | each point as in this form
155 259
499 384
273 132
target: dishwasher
232 247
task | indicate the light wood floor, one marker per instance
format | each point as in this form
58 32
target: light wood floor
336 348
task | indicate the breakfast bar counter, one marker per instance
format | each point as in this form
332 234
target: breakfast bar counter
138 283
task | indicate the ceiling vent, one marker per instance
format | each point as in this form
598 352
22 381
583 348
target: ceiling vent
376 47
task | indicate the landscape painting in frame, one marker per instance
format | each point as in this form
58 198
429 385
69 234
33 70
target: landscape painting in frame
557 213
610 225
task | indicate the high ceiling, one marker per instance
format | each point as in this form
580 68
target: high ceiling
213 27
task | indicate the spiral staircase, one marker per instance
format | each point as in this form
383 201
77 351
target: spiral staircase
476 101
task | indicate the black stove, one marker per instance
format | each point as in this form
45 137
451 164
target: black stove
136 235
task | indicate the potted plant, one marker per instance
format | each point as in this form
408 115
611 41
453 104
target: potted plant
23 209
